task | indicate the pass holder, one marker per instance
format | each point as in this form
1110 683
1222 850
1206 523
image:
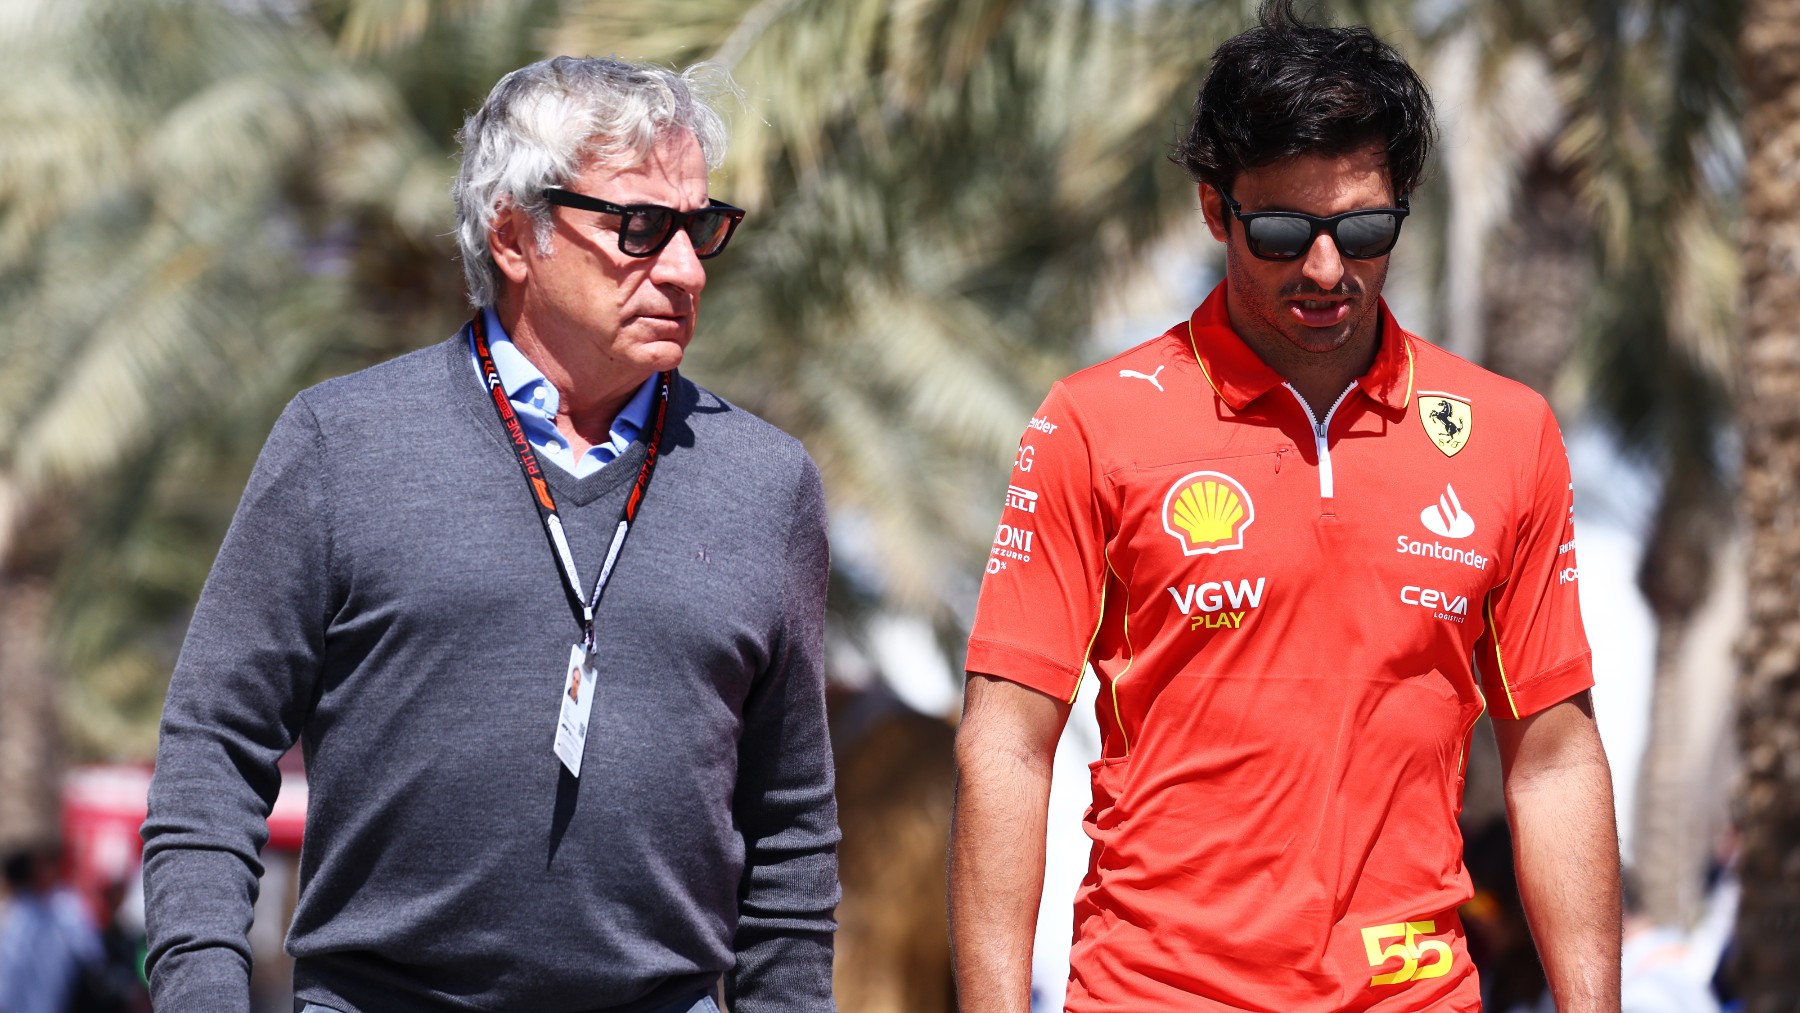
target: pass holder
577 705
578 685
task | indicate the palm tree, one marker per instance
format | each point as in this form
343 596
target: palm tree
1769 692
1609 290
153 287
207 207
939 192
251 148
1660 368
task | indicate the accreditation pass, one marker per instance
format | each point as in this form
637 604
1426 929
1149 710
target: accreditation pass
577 703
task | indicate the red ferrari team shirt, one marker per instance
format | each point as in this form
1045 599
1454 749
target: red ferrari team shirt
1295 624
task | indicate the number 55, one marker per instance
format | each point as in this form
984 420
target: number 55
1409 950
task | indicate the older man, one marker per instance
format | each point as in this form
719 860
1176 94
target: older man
544 616
1302 549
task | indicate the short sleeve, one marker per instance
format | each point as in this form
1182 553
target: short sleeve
1534 652
1041 597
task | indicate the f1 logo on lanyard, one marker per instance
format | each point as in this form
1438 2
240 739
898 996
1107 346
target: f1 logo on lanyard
577 687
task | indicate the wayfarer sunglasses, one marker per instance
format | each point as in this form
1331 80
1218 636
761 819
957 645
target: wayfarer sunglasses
644 229
1287 235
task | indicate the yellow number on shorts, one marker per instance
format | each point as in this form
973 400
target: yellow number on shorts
1409 951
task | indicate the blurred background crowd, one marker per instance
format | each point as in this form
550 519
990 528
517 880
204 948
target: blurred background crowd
206 205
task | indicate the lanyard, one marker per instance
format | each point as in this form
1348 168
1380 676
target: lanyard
541 495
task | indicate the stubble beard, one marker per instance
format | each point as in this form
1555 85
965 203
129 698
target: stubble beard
1283 339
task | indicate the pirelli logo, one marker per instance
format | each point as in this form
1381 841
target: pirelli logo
1021 499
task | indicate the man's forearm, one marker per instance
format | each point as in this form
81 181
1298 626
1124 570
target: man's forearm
997 844
1566 851
996 881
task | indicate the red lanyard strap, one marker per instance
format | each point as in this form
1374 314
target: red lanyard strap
545 500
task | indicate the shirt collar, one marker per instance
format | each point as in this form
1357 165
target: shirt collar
524 381
1239 376
518 376
635 415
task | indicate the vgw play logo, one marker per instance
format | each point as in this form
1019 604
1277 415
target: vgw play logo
1218 604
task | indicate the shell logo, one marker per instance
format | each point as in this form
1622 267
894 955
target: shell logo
1207 512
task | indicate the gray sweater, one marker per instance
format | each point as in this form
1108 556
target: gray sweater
386 594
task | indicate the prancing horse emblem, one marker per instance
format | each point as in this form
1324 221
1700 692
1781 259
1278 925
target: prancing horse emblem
1447 420
1152 377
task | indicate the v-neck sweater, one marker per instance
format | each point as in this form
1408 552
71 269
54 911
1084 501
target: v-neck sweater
386 595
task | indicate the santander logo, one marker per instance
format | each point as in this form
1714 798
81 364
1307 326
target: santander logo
1446 518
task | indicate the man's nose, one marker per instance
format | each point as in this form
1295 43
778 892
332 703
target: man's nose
677 264
1324 266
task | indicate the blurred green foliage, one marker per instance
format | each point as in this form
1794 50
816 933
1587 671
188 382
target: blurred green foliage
205 205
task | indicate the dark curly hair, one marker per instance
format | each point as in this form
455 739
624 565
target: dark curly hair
1287 88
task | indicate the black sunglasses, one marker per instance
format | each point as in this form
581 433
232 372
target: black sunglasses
644 229
1287 235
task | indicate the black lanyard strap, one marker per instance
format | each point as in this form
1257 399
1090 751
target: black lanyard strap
545 500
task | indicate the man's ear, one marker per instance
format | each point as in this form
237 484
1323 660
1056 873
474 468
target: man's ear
507 238
1213 207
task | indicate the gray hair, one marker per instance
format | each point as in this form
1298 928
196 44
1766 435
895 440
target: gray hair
542 125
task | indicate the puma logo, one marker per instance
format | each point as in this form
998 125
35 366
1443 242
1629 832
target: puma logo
1152 377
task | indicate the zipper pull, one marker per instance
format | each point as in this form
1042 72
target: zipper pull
1279 453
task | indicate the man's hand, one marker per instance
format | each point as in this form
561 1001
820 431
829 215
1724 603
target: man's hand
1566 849
1004 750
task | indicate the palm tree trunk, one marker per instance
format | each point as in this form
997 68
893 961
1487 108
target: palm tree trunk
1540 270
1678 569
1668 848
1768 930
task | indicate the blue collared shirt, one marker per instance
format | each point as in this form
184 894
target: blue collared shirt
535 400
43 942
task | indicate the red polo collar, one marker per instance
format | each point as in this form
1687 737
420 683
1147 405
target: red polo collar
1239 375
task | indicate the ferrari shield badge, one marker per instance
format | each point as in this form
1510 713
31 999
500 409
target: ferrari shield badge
1447 420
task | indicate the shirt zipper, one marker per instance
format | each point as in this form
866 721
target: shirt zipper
1320 429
